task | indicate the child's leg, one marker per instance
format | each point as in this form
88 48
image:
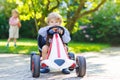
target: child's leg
41 43
8 42
66 71
14 41
66 47
44 52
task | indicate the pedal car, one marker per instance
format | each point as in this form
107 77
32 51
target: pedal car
58 58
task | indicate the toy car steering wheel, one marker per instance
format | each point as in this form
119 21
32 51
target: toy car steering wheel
55 29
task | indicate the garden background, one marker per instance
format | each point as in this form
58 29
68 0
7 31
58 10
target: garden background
93 24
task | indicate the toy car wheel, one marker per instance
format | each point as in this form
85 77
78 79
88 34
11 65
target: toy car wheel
31 59
81 66
35 66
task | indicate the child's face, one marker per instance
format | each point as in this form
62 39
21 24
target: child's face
54 22
14 14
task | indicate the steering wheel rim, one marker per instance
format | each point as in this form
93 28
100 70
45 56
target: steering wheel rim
58 27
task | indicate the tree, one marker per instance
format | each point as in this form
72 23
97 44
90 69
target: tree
81 11
37 9
104 26
74 9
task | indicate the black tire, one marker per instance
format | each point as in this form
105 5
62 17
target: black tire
71 56
35 66
81 66
31 59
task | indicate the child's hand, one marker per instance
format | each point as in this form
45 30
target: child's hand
50 32
55 30
60 31
19 24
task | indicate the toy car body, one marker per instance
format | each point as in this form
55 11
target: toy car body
58 59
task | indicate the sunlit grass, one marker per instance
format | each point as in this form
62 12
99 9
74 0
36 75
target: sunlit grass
26 46
86 47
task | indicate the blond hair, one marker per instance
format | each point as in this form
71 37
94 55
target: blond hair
14 10
55 16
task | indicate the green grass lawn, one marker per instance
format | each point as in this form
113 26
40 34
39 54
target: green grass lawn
26 46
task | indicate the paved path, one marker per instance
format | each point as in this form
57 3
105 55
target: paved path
104 65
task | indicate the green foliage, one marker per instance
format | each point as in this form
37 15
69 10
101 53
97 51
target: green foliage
27 30
5 13
85 34
104 25
3 26
34 12
39 9
26 46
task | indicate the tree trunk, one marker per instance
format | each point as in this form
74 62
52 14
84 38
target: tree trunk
36 25
70 24
42 21
77 14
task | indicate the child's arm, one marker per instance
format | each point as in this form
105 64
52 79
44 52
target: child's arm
19 24
43 32
66 37
10 20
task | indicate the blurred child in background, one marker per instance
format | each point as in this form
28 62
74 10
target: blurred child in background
14 24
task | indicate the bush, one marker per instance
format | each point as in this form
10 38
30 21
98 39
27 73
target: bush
86 34
28 29
104 26
3 26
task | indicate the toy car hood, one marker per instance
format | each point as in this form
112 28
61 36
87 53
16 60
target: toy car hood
57 57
